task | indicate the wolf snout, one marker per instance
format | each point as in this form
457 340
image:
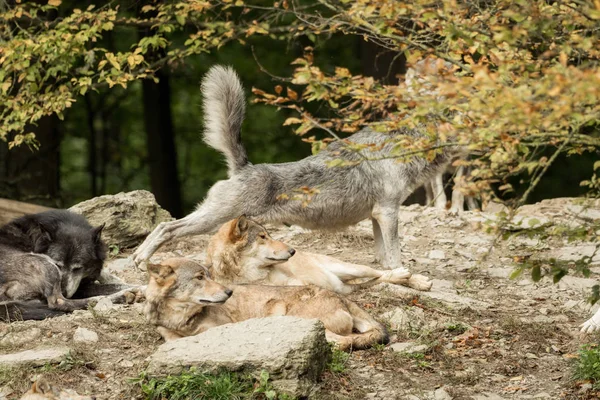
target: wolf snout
228 292
292 252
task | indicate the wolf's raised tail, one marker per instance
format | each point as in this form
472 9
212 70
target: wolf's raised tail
224 108
26 310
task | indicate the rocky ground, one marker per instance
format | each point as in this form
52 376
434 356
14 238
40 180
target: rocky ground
476 335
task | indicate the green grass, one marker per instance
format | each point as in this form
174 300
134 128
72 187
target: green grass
196 385
588 365
338 360
456 328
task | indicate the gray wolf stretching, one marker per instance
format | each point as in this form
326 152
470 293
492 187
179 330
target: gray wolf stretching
182 300
48 256
372 189
242 251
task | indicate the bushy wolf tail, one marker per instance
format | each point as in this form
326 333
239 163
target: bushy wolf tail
224 108
370 331
26 310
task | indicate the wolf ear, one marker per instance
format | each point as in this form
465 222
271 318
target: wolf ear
40 386
41 238
97 231
240 226
159 271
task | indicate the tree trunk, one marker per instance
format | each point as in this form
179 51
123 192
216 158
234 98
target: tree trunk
160 141
33 175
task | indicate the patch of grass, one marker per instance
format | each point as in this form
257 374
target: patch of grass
378 347
456 328
193 384
338 360
588 365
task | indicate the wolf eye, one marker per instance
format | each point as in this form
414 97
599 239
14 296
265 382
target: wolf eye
262 236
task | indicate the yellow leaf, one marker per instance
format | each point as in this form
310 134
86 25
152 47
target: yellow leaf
291 121
113 60
292 94
54 3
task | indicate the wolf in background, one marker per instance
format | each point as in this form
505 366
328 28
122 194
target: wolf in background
347 195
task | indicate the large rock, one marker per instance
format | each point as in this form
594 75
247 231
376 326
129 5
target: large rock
129 217
292 350
34 358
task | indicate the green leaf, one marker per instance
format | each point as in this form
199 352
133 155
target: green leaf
536 273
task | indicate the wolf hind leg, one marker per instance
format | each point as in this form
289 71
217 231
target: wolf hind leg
378 239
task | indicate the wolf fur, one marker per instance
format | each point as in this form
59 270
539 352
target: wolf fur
592 324
242 251
183 300
49 256
43 390
435 193
347 195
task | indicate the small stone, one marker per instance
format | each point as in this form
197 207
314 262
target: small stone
83 335
441 394
531 356
437 255
586 387
126 364
104 304
570 304
408 347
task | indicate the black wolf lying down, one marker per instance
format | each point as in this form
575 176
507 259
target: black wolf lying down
47 259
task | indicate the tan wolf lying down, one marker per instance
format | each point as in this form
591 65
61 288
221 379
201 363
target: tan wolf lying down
182 300
242 251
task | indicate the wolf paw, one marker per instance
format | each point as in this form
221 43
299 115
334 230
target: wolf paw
397 276
589 326
129 295
420 282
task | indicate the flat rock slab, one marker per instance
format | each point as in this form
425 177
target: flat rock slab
292 350
34 358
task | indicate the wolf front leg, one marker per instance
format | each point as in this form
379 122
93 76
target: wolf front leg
592 324
205 219
386 216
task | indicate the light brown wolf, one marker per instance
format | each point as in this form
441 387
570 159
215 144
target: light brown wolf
242 251
183 300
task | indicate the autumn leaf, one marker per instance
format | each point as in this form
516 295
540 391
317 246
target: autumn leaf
54 3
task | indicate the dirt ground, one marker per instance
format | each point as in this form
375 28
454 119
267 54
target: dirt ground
482 336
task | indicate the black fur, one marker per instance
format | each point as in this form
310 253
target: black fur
47 257
27 310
